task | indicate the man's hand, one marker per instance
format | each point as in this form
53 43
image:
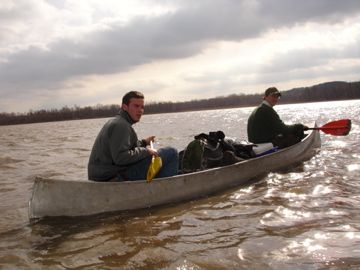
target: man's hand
152 152
149 139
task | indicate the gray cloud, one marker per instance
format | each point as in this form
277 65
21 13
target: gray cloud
307 58
183 33
15 12
295 64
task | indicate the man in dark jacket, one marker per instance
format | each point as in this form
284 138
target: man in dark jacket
264 124
117 152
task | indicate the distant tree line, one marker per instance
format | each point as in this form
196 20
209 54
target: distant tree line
323 92
65 113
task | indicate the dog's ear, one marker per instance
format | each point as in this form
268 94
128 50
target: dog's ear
201 136
220 135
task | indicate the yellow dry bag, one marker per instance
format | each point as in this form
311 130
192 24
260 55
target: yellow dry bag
155 166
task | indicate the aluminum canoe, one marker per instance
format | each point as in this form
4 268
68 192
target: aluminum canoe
51 197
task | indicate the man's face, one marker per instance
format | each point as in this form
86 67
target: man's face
135 108
272 99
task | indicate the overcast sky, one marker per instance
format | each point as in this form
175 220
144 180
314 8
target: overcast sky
86 52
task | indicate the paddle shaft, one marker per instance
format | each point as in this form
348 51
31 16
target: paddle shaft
327 128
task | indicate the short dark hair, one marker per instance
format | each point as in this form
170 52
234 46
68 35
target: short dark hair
272 91
132 94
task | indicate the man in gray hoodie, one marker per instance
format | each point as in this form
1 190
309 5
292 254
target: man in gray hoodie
119 154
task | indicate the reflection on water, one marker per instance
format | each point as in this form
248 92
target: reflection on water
306 217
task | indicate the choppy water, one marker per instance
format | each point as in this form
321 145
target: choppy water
306 218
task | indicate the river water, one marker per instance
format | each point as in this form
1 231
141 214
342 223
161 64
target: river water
305 218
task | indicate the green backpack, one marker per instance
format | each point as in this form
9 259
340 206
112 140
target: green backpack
200 155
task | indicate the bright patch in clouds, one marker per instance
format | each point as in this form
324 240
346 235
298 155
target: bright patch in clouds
55 53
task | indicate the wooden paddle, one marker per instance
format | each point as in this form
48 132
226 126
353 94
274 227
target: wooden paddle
337 128
155 166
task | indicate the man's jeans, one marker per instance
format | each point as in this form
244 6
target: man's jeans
170 159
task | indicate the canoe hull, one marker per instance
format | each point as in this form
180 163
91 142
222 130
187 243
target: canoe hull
80 198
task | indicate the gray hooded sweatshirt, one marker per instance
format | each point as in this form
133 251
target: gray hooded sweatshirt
116 148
